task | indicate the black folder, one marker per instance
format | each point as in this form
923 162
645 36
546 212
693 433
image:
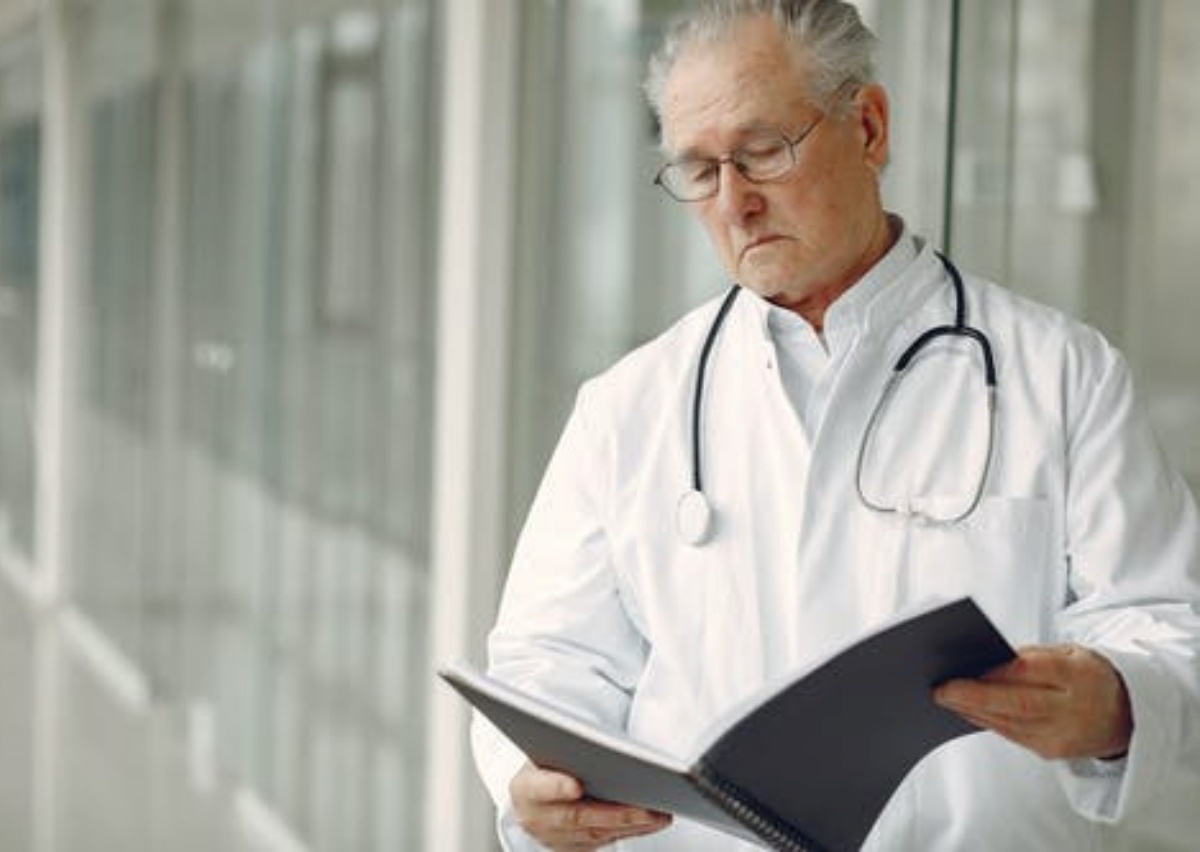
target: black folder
807 763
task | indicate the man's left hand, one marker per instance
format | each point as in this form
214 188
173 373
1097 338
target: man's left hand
1061 701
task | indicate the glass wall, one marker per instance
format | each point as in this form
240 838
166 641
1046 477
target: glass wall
20 139
251 522
108 558
1075 183
1163 294
20 173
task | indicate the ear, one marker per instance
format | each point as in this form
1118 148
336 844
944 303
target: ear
872 104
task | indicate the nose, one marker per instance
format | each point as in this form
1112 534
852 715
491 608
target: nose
737 197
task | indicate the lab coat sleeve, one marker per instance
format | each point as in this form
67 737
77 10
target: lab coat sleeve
1131 529
562 631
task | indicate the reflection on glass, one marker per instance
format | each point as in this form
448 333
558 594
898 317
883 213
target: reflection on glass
1163 285
308 258
251 522
20 138
1076 182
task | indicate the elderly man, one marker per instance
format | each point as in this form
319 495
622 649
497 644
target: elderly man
671 563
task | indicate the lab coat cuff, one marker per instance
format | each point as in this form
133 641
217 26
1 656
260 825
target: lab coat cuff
1106 790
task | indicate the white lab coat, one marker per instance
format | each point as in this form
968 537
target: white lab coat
1083 535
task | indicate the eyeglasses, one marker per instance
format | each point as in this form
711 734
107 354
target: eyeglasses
764 158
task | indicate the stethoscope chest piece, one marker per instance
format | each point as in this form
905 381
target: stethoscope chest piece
693 518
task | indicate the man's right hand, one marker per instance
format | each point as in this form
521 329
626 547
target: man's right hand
550 806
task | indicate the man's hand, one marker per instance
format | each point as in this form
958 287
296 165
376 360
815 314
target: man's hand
1061 701
551 808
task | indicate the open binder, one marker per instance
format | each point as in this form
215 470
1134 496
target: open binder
807 764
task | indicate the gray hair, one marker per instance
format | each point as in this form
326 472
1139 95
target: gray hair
828 39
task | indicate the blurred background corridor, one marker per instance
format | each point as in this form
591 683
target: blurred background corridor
294 299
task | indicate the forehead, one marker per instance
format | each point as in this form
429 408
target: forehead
746 80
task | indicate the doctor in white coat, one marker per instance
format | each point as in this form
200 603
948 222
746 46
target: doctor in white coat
828 511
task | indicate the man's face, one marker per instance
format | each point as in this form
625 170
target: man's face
801 239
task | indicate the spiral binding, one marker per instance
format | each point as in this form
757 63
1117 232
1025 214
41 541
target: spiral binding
743 807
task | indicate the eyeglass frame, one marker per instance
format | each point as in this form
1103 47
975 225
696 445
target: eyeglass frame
732 156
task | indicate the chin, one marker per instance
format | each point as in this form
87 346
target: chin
769 288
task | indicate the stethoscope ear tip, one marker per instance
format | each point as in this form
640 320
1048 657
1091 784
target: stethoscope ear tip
693 518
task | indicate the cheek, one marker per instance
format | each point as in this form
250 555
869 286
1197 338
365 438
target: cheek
830 209
817 195
719 235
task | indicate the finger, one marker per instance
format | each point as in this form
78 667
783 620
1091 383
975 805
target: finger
1040 665
551 807
589 814
1035 738
998 700
1061 681
1013 728
537 785
1035 665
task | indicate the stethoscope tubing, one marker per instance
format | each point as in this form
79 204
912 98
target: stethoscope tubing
698 394
694 519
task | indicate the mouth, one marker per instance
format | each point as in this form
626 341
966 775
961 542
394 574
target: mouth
759 242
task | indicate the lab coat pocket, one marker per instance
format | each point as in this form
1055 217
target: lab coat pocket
1001 555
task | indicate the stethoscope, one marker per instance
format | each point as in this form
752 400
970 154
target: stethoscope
694 521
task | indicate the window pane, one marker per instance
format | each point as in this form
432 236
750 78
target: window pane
1076 183
307 368
250 521
20 138
914 67
1162 288
111 503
